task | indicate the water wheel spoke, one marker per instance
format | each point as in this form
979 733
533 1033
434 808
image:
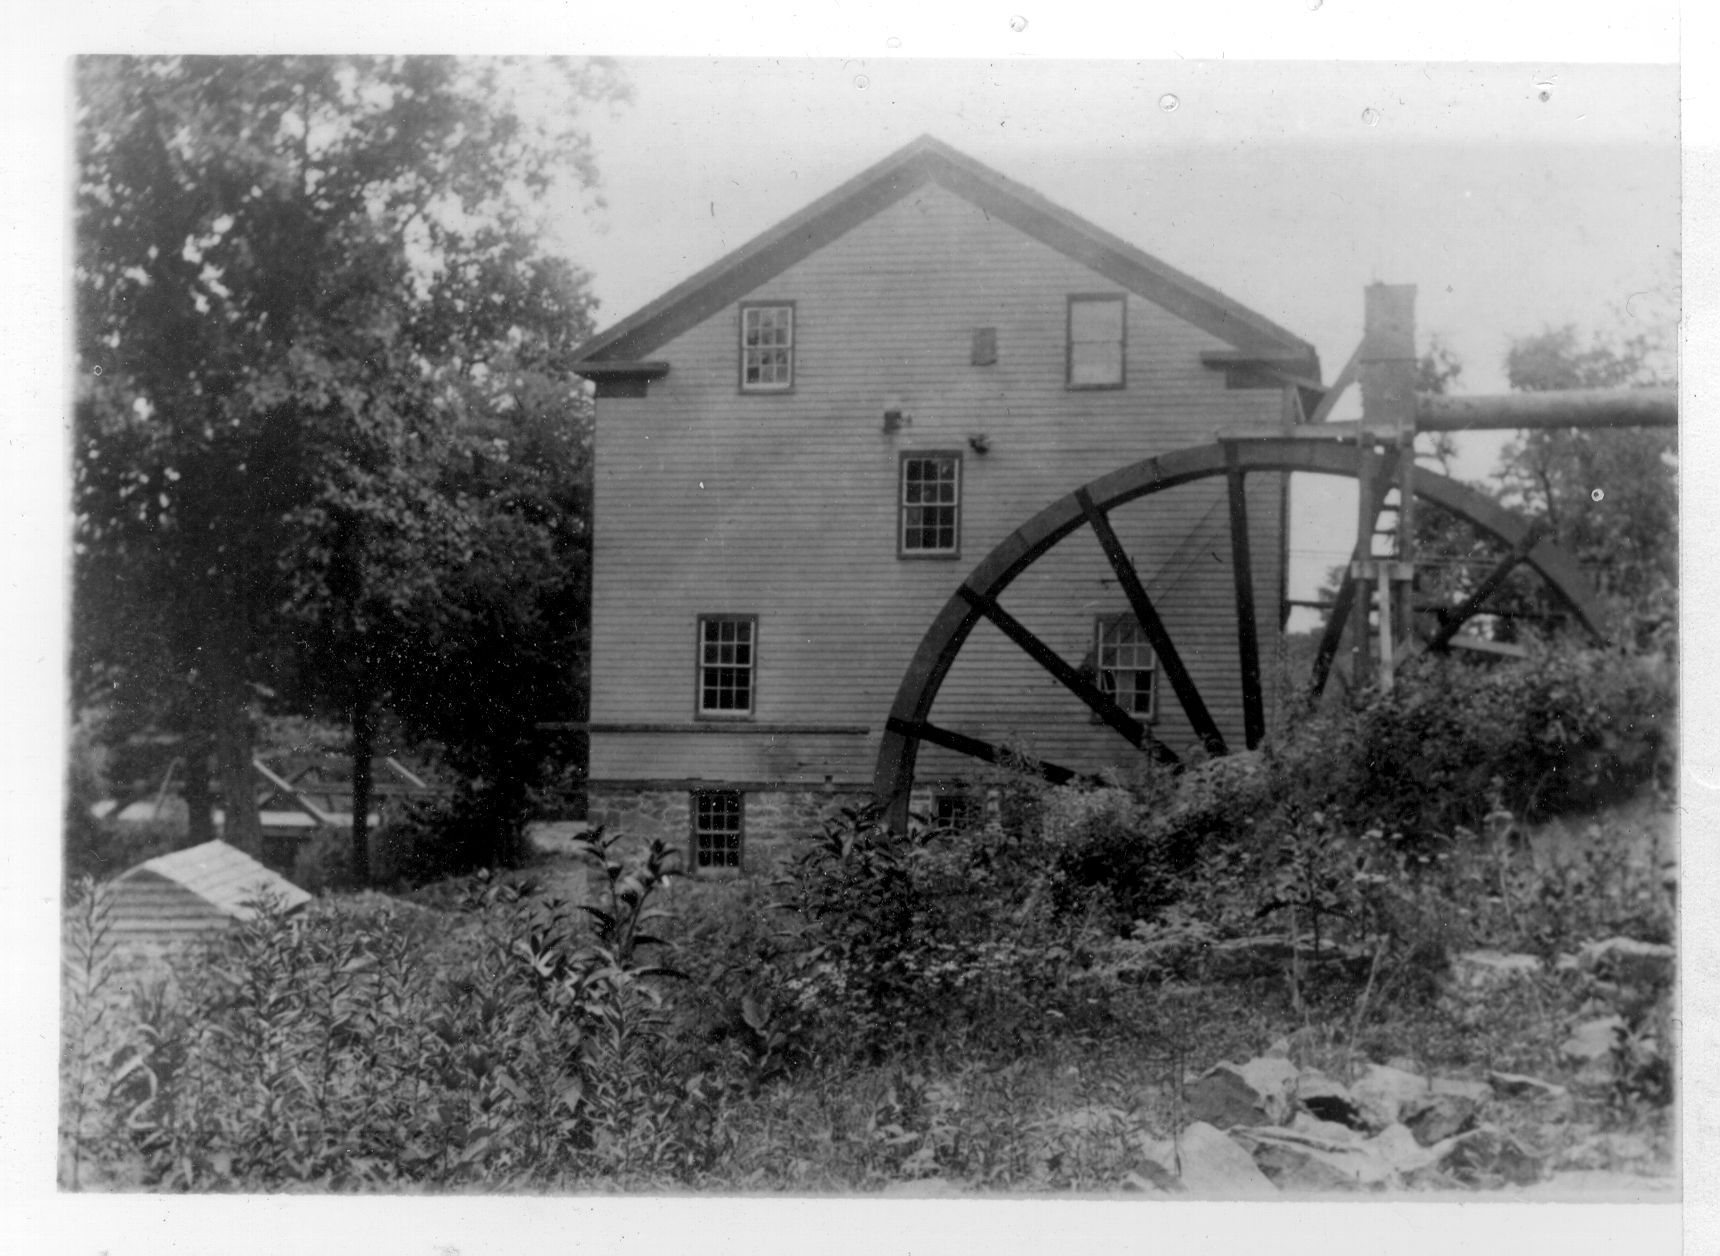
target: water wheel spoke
1147 616
1070 678
1247 632
973 747
1454 618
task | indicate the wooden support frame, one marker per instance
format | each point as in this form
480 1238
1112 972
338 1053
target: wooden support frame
1348 590
973 747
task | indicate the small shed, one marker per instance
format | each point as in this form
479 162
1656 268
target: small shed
194 892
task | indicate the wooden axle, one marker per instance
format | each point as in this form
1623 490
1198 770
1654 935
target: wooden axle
1609 407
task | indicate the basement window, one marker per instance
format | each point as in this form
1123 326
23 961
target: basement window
956 810
728 665
718 824
1126 664
930 508
1097 335
767 347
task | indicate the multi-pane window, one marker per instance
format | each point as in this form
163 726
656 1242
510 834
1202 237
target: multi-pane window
956 811
1125 664
727 664
931 504
717 829
767 348
1096 338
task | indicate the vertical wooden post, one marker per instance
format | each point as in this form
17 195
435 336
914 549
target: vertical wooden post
1386 584
1386 372
1360 663
1406 536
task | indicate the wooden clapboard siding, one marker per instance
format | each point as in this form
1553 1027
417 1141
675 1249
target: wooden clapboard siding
708 500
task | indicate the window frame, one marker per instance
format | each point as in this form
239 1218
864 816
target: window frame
694 832
1121 300
926 455
718 715
958 801
1102 622
766 390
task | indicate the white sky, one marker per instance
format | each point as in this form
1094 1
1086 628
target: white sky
1312 284
1510 213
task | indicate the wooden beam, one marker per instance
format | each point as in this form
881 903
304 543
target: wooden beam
1451 620
973 747
1147 616
1097 700
1247 632
1587 408
292 794
1346 377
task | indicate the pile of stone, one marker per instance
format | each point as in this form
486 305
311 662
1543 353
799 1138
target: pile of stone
1267 1126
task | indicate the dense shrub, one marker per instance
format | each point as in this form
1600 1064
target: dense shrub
355 1047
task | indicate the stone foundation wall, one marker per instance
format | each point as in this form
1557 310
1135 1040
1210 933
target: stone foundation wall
771 819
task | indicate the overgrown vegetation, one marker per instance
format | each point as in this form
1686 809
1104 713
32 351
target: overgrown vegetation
1015 1004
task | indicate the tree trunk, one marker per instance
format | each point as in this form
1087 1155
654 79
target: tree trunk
363 738
233 753
199 800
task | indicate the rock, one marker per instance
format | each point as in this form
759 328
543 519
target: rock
1293 1168
1440 1117
1488 1157
1215 1167
1328 1100
1563 963
1383 1091
1590 1048
1463 1088
1405 1064
1397 1146
1243 1094
1154 1178
1522 1086
1330 1131
1484 970
1300 1160
1631 962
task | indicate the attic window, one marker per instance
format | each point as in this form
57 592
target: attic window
1097 334
767 347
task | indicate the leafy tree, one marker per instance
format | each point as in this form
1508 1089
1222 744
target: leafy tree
1610 496
293 276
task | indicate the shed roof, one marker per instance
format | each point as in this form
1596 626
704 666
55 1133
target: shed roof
223 876
930 160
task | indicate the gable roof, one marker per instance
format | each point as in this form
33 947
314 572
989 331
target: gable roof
223 876
929 160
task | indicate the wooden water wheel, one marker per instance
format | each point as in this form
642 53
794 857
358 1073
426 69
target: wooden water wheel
977 597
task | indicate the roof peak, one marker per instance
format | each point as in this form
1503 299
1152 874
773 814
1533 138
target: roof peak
927 158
